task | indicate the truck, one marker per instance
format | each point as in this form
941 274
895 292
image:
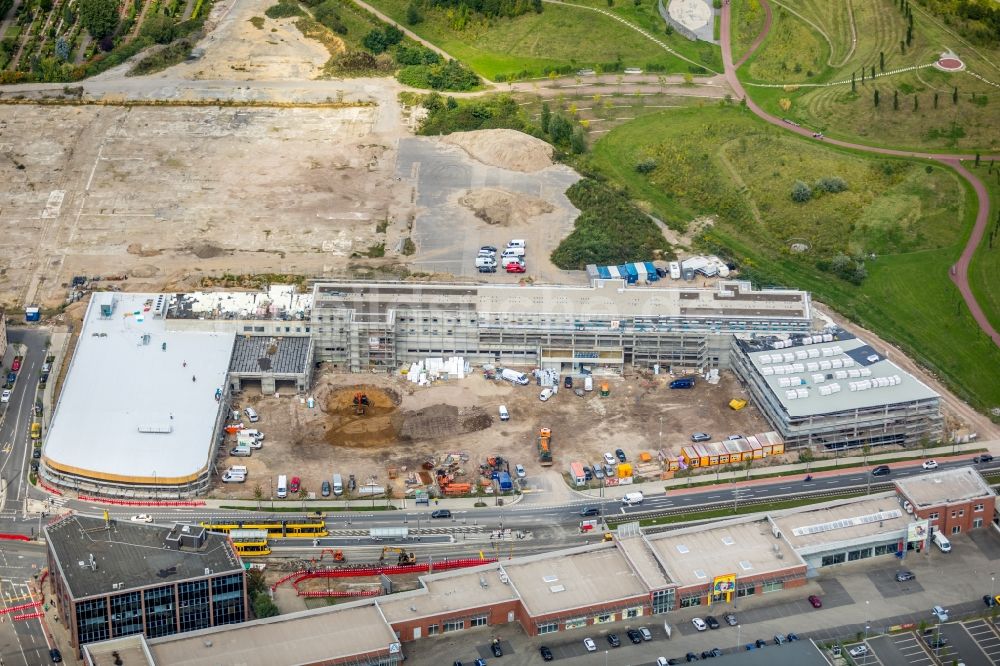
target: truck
506 485
545 447
514 377
576 473
941 541
632 499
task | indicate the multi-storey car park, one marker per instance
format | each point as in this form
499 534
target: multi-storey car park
639 577
836 391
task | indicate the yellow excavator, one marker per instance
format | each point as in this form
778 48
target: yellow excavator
404 559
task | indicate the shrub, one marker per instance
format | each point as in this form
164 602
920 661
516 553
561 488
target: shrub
159 28
165 57
99 17
495 112
801 192
327 14
416 55
284 9
413 15
609 229
646 166
450 75
380 40
831 184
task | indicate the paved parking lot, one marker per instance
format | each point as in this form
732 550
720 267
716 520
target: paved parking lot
885 582
960 646
985 637
899 650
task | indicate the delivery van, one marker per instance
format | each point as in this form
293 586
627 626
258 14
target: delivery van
631 499
282 486
517 242
338 485
241 451
504 414
514 377
941 541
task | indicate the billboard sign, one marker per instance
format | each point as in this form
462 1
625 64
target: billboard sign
918 530
724 585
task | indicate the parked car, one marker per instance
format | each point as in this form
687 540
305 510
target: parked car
646 635
16 365
568 382
587 474
613 640
989 601
858 651
36 454
487 269
815 601
940 613
761 643
545 394
620 455
294 486
881 470
489 248
935 640
515 267
792 637
691 656
709 654
519 470
700 437
983 458
634 636
55 655
779 639
711 622
903 576
930 464
730 619
441 513
496 649
141 518
5 396
699 624
546 653
324 489
590 645
598 472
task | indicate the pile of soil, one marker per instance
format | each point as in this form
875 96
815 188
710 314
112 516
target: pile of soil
376 427
504 148
439 421
498 206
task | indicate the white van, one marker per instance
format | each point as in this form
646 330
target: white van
253 433
514 377
512 252
631 499
504 414
588 383
251 414
282 486
485 262
517 242
238 469
545 394
242 439
233 477
675 270
338 485
241 451
941 541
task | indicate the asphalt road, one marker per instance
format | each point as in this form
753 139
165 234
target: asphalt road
21 641
16 426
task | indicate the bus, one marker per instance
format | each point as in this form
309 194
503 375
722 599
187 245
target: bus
250 543
296 528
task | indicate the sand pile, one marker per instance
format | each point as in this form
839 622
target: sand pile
504 148
497 206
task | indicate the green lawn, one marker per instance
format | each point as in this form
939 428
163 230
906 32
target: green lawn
530 44
724 161
984 274
747 20
795 52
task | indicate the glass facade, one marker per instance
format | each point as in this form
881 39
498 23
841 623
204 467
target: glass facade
227 599
192 600
92 620
160 617
126 614
663 601
548 628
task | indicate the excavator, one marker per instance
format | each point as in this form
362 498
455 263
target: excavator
335 555
360 403
404 559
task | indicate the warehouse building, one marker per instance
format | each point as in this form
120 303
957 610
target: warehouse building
952 501
606 325
836 391
113 579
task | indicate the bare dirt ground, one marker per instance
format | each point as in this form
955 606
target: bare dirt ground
408 425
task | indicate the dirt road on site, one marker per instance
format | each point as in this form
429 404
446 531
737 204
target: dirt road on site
960 271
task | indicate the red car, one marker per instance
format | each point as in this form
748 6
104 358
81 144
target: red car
515 268
16 365
815 601
293 487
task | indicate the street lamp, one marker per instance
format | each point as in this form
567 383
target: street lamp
739 632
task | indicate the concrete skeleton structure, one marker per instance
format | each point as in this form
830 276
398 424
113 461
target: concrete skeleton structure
834 390
636 576
116 578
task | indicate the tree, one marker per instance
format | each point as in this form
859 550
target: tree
413 16
99 17
258 494
303 495
954 95
577 142
546 117
881 60
264 607
159 28
977 160
62 48
256 584
801 192
876 98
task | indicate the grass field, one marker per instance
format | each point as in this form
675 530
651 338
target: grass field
795 48
530 44
724 161
984 274
747 21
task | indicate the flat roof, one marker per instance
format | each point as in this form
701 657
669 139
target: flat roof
843 520
134 554
449 591
604 298
645 561
944 486
129 410
305 637
828 376
573 579
279 301
256 354
694 556
132 650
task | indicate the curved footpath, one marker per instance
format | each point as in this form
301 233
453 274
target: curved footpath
960 270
